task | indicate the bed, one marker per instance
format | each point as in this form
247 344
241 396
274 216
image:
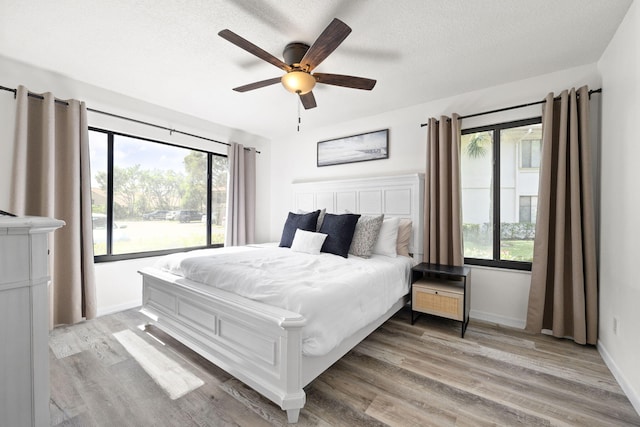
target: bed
269 345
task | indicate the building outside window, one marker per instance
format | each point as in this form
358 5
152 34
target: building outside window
500 171
157 197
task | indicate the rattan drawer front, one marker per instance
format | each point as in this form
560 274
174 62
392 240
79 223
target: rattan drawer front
439 300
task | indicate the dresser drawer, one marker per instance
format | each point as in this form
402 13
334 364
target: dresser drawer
443 298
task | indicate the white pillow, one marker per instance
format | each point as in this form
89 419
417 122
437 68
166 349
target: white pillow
386 243
308 242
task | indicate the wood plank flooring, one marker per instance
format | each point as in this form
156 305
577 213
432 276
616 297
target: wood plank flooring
401 375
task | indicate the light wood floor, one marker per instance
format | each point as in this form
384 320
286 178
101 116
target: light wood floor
401 375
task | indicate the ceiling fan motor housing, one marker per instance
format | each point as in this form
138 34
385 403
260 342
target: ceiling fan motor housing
294 52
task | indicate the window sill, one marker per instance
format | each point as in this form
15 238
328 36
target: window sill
503 265
150 254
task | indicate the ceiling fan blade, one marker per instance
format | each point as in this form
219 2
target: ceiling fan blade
327 42
253 49
257 85
345 81
308 100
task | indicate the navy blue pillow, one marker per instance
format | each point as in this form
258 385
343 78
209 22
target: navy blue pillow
339 230
307 222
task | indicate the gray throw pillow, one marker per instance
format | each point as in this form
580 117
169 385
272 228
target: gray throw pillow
365 235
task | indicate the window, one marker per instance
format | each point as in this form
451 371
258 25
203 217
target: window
528 209
500 170
151 198
530 153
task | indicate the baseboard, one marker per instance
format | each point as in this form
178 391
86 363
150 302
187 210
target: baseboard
632 395
103 311
501 320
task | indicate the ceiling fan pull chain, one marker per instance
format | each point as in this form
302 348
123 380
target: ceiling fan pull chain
299 121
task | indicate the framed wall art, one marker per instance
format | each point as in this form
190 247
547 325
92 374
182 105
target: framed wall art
356 148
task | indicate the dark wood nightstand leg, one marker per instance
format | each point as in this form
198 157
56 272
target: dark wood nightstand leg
465 310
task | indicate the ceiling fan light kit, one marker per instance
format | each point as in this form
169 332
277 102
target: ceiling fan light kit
298 82
301 61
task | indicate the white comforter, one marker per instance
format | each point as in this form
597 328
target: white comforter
336 295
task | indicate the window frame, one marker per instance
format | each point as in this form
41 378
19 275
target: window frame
496 129
110 256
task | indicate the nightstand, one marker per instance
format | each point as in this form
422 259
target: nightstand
441 290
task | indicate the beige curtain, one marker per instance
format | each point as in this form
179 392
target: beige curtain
563 296
51 178
442 202
241 196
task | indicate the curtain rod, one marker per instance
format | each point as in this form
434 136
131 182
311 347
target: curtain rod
499 110
171 131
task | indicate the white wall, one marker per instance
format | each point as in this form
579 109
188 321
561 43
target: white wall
620 202
497 295
118 284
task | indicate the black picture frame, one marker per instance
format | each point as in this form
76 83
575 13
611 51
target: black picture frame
363 147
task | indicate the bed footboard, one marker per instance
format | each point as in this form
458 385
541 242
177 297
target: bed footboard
259 344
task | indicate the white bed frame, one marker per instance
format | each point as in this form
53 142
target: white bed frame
261 345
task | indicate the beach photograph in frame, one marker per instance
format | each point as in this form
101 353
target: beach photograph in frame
356 148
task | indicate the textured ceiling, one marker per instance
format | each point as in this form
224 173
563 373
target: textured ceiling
168 52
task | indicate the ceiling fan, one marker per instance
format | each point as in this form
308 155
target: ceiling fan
300 60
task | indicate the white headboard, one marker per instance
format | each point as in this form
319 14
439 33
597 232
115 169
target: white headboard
395 196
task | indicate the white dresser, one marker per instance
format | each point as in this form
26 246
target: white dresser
24 320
